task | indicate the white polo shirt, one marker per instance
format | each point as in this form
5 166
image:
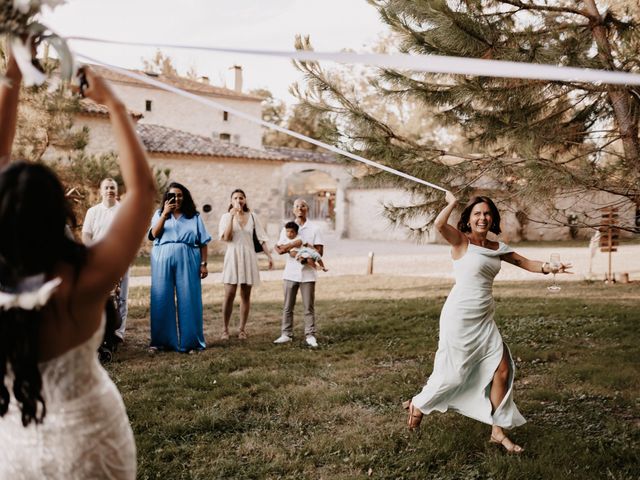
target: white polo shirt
294 271
98 220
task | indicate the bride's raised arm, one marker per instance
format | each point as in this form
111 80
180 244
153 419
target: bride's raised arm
9 92
109 258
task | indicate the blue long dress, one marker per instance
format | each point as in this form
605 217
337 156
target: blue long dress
175 279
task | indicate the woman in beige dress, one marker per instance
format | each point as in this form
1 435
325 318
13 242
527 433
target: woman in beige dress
240 259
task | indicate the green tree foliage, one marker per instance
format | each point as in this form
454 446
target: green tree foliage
46 133
298 118
160 63
533 143
164 65
45 120
82 174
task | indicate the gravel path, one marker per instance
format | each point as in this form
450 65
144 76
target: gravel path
350 257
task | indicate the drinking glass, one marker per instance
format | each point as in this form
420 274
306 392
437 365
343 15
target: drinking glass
554 265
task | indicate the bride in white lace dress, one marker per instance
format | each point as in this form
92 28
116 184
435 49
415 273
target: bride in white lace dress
473 370
61 416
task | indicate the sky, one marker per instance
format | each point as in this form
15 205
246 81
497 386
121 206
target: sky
267 24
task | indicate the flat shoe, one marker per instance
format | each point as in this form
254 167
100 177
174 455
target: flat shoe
242 335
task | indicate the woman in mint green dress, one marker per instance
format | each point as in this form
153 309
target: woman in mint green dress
473 370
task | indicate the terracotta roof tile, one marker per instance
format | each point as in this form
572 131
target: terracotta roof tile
160 139
301 154
193 86
91 108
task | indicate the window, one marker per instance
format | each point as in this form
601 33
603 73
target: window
225 116
147 105
225 137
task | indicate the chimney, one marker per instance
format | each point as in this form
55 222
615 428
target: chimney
237 84
204 79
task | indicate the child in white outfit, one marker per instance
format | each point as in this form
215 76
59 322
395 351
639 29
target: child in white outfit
305 254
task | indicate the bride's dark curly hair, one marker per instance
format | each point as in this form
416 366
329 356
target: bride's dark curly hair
34 215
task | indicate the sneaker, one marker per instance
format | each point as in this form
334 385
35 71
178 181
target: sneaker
311 341
282 339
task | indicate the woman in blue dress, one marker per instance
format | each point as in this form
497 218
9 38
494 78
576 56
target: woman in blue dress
178 263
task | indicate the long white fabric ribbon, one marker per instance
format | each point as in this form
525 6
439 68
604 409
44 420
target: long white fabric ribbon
421 63
259 121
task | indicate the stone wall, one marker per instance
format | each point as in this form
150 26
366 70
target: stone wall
359 212
171 110
100 134
211 181
366 218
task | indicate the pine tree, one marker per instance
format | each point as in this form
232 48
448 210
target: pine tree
536 144
298 117
160 63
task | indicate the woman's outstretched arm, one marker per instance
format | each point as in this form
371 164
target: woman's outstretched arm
9 94
109 258
450 233
534 266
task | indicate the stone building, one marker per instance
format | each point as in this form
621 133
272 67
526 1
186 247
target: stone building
213 152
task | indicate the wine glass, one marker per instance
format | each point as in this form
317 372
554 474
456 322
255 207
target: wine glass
554 265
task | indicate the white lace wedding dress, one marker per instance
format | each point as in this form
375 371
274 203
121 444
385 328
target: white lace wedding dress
86 432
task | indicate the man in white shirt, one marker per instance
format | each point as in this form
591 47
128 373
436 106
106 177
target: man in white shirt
301 277
96 223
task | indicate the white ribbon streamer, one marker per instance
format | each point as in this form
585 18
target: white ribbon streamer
23 56
421 63
259 121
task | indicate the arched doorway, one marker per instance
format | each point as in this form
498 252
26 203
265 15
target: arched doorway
318 189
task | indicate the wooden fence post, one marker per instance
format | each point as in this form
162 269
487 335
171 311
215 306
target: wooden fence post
370 264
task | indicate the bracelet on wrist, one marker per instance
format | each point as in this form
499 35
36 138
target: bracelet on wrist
203 264
544 264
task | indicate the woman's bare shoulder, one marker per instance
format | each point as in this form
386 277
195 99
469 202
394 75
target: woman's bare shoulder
458 251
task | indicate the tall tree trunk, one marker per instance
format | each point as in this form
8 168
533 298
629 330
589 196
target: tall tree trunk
619 97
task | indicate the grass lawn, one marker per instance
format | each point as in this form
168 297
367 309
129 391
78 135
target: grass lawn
258 411
142 264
